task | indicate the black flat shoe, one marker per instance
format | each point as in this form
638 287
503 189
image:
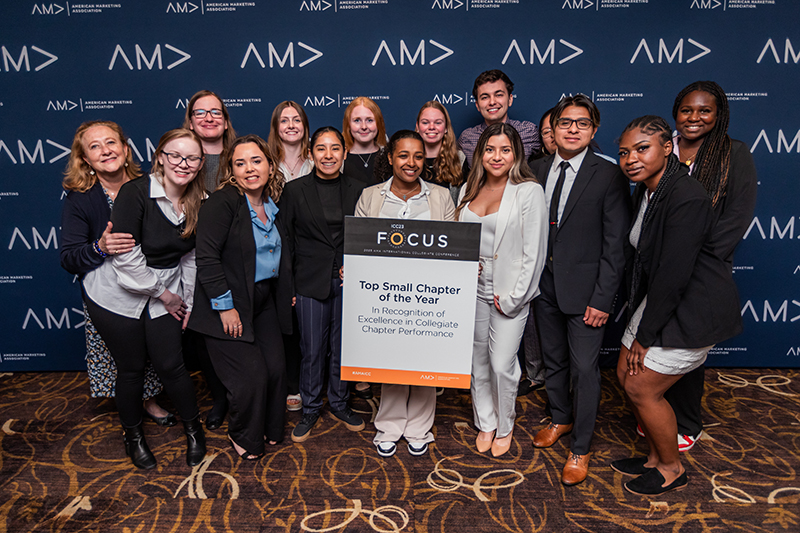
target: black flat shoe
165 421
631 467
649 483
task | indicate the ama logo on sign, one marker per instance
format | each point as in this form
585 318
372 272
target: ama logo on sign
319 5
419 53
155 59
663 51
780 141
38 152
788 52
550 52
275 57
23 60
182 7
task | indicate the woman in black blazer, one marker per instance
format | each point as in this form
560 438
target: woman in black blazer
314 208
725 168
682 296
243 295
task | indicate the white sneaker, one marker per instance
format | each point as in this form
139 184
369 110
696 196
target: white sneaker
687 442
386 449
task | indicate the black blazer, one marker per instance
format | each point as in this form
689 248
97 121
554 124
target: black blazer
83 221
734 211
226 260
312 248
588 253
692 300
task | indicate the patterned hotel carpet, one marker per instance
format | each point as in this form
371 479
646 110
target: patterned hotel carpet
63 469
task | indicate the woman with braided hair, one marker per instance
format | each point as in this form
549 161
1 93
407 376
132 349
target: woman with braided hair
682 299
726 170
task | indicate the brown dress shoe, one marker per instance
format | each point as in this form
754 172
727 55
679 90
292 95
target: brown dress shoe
575 469
549 435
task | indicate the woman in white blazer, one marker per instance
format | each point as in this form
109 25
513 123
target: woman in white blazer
503 195
405 411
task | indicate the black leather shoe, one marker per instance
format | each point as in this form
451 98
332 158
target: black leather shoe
195 441
364 394
527 386
166 421
136 448
216 417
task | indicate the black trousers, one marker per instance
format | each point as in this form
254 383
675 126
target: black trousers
291 345
571 353
255 375
195 354
131 341
685 397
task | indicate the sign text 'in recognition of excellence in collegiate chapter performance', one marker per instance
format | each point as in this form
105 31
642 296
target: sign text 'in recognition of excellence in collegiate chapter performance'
409 301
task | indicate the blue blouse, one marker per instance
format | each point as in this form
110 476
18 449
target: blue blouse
268 251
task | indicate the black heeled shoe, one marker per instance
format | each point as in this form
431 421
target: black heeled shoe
136 448
195 441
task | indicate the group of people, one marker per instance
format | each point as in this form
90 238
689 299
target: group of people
240 241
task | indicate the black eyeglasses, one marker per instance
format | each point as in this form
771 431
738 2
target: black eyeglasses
566 123
200 113
192 161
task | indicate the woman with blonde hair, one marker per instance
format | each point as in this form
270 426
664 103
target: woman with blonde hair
288 140
244 293
141 300
99 164
444 160
365 138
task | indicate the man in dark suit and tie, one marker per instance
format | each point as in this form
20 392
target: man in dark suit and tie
589 202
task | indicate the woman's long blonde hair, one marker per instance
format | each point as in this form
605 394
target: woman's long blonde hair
446 165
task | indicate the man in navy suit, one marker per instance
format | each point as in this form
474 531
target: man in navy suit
589 204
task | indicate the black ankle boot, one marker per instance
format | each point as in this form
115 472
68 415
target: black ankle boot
195 441
136 448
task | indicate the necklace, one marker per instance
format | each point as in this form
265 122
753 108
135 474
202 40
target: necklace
366 163
490 189
293 168
409 193
688 158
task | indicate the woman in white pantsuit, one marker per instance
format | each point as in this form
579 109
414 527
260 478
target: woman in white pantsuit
405 411
503 195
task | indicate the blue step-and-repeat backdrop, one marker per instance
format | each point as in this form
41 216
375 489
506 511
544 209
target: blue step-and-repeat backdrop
137 62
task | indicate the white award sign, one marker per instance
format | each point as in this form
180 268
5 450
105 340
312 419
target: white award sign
409 301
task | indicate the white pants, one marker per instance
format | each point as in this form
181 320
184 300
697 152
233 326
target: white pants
495 370
405 411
